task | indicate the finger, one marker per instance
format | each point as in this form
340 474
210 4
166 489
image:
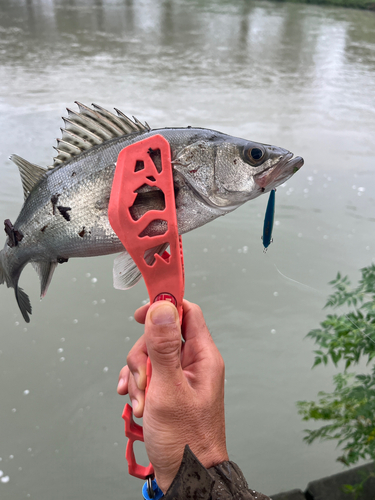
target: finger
194 325
140 314
137 362
123 380
163 338
137 397
200 354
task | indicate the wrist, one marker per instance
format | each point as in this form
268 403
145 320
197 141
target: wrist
192 480
165 473
211 459
207 458
210 447
164 482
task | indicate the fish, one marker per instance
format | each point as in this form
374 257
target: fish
65 210
268 220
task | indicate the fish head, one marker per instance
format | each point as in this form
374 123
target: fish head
226 171
244 170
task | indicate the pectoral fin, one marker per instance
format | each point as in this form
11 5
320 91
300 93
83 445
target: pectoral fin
125 272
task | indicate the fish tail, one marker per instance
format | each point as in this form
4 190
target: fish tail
23 302
22 298
2 272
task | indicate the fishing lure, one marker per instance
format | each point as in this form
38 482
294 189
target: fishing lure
268 221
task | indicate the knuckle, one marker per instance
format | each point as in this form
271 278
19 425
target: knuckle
133 389
167 346
196 310
129 361
123 372
131 392
133 361
220 364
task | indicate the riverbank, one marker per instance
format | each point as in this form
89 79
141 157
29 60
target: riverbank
331 488
353 4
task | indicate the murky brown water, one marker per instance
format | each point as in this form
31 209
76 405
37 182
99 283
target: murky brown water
298 76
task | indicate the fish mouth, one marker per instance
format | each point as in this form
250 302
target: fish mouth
279 173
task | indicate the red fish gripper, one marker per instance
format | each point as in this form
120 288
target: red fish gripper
164 277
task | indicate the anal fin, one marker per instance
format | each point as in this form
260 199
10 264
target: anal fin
45 270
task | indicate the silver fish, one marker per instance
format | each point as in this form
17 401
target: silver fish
65 210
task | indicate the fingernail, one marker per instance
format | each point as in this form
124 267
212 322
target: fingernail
134 404
164 314
121 385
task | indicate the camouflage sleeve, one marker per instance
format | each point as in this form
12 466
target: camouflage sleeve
222 482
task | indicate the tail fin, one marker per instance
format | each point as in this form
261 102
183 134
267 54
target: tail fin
23 302
22 298
2 273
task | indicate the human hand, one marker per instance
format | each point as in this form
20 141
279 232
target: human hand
185 398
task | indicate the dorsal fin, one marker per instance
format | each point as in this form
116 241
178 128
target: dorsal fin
30 173
90 127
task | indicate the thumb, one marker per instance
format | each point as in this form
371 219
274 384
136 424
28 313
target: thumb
163 340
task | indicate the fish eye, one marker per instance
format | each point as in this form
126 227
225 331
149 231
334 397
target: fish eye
256 154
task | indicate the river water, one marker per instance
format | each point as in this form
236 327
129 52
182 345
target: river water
298 76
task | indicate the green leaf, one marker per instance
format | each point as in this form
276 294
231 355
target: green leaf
317 361
348 412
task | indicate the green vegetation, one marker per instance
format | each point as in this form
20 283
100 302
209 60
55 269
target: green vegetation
349 411
353 4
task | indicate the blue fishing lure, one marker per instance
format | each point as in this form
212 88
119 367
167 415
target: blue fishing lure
268 221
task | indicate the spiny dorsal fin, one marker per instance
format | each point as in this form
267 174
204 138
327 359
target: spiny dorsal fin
30 173
90 127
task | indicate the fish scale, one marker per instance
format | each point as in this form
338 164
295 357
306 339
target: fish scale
65 213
